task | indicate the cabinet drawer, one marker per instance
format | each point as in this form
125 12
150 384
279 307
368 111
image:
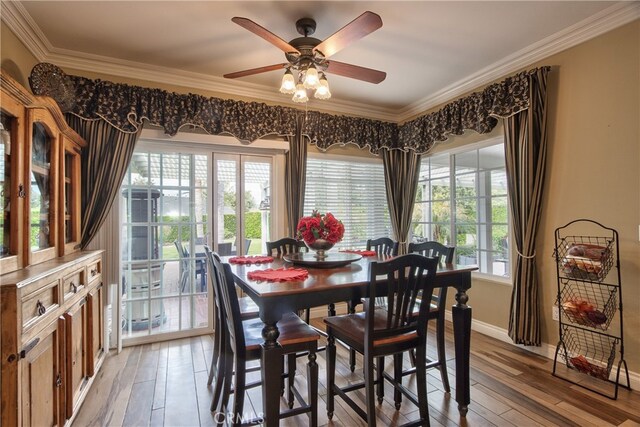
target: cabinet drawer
73 283
94 271
38 305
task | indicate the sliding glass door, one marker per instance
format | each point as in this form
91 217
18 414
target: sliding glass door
164 227
172 204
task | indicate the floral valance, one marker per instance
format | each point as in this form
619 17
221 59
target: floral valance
126 107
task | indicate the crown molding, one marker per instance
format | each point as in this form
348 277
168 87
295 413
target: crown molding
20 22
600 23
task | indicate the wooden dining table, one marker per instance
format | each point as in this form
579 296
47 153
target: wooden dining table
327 286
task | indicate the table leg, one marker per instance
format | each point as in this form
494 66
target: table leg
461 313
271 357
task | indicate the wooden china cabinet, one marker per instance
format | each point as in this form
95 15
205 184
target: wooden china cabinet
51 293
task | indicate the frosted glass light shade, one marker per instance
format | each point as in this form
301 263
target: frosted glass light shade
300 94
311 78
323 92
288 83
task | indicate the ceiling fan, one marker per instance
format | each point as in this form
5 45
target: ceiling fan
309 56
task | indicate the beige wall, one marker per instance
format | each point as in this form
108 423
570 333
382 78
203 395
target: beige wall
15 59
592 167
593 171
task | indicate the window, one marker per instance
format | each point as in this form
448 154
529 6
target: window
353 190
462 201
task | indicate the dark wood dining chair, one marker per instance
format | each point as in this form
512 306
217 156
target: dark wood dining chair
383 246
248 310
244 344
385 331
286 245
445 254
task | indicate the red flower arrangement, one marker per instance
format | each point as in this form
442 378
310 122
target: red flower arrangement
320 226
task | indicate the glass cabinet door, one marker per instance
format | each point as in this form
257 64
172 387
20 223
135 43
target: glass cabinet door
41 151
11 190
69 222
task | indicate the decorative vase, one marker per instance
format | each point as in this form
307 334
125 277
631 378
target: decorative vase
320 246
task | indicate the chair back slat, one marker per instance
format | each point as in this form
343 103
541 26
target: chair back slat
433 249
407 278
286 245
383 246
444 253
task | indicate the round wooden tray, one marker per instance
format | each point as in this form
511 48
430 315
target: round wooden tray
332 260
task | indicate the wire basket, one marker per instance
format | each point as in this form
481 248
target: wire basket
585 257
587 352
589 304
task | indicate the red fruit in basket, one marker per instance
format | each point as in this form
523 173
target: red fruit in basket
585 306
597 317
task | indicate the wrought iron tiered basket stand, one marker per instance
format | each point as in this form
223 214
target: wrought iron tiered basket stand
589 303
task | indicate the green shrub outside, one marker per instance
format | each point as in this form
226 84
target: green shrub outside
252 226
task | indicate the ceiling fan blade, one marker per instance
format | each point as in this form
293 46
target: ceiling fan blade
356 72
265 34
255 71
364 24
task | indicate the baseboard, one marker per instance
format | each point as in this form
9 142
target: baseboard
545 350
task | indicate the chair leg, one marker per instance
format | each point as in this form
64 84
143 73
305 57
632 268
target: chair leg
352 353
380 380
312 388
221 366
291 374
442 356
412 357
397 376
216 355
331 372
369 380
421 377
239 390
226 382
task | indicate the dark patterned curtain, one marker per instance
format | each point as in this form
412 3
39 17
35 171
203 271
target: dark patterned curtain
104 164
525 152
126 107
295 175
401 172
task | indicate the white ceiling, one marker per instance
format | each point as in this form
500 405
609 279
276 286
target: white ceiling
431 51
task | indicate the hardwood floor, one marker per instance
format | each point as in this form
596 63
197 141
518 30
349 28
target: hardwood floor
166 384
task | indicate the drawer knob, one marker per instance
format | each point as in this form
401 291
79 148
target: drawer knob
40 308
94 272
74 288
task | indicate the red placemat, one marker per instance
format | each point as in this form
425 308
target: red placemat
257 259
360 252
279 275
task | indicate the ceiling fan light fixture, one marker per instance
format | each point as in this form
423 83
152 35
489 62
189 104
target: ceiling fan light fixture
300 94
288 85
323 92
311 78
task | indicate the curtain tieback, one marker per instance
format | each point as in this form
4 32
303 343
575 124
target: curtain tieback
526 257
